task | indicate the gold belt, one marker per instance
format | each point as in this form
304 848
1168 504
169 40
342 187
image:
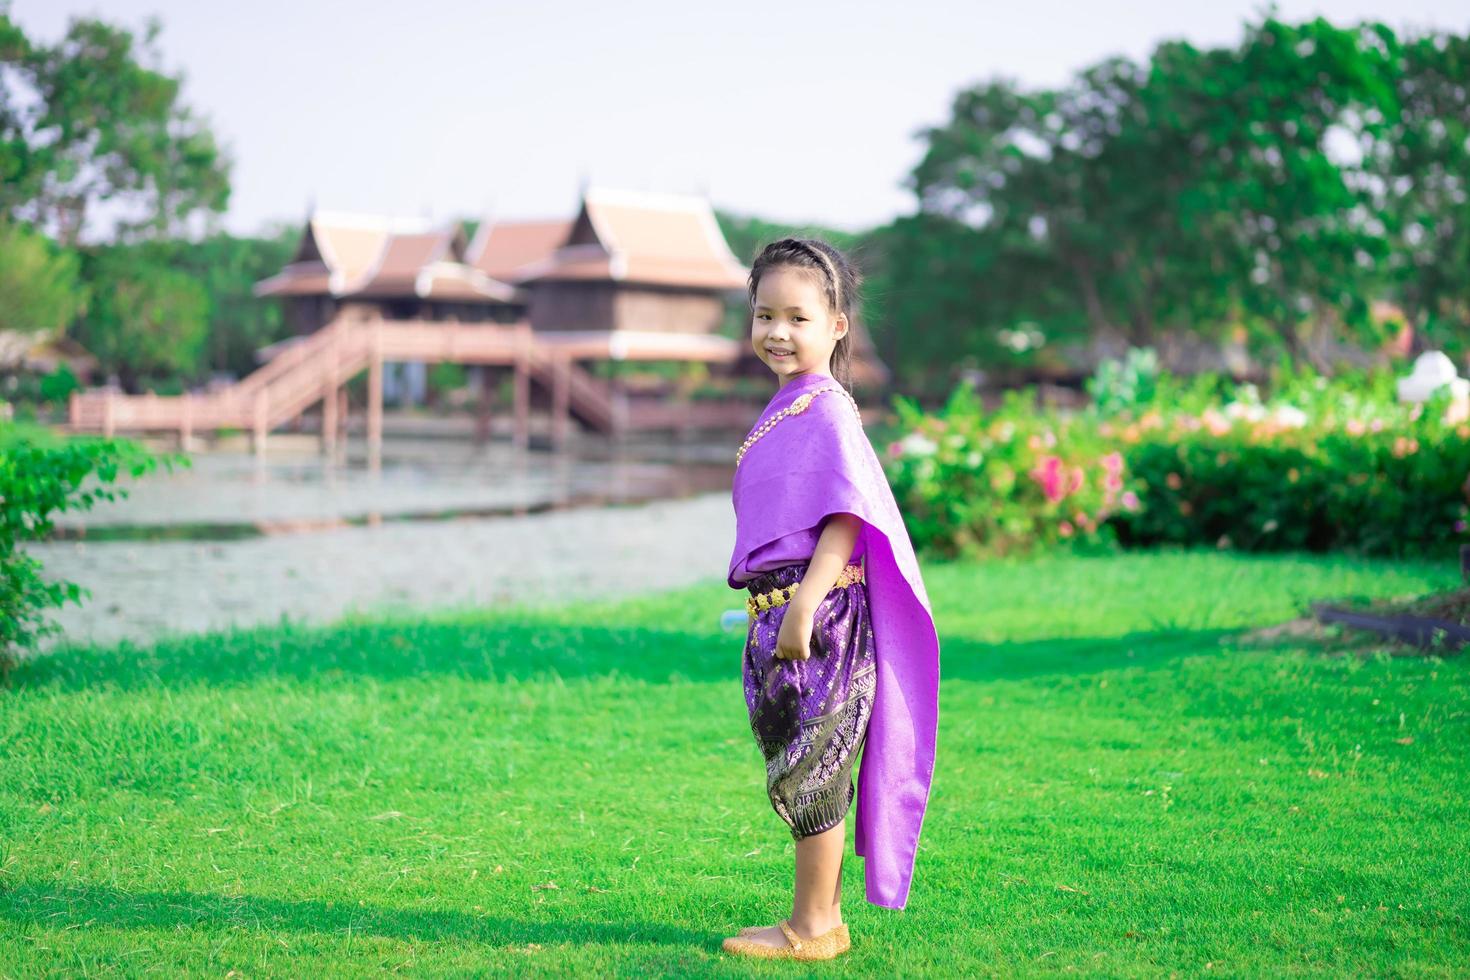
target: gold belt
852 572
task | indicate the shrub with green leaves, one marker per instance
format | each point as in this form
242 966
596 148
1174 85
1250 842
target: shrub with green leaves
1127 385
38 482
1353 470
1395 484
969 484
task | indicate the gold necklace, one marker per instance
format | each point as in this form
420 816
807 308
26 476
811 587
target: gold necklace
795 408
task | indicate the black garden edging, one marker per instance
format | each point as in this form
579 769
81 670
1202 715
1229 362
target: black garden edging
1424 632
1421 631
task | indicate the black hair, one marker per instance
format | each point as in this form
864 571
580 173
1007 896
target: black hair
840 281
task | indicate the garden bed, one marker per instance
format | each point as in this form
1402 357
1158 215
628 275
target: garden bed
1401 626
1439 622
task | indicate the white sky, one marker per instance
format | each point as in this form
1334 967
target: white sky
799 112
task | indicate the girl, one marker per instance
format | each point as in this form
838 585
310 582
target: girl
842 651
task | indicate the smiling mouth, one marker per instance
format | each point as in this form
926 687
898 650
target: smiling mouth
779 353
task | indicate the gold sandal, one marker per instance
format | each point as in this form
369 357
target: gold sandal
832 943
752 930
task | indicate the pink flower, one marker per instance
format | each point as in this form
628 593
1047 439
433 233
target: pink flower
1130 501
1065 529
1113 481
1113 462
1078 478
1049 474
1460 526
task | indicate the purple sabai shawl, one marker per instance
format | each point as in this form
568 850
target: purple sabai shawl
816 461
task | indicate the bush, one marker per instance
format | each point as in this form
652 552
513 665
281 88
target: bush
970 485
1384 487
447 376
1127 385
1197 462
36 483
57 386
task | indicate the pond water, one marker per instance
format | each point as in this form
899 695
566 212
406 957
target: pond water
229 495
230 542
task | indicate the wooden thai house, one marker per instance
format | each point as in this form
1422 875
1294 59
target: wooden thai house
635 261
396 269
632 263
630 270
632 276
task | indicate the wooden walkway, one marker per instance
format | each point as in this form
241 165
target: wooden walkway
316 369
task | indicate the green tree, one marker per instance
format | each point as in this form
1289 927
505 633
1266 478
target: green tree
147 319
40 290
941 296
93 121
19 171
1287 221
1192 192
228 267
1422 170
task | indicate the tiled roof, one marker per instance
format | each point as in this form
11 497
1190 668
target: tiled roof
501 249
346 255
643 237
618 235
309 278
400 259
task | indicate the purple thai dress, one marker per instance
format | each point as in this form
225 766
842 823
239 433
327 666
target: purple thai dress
809 716
872 680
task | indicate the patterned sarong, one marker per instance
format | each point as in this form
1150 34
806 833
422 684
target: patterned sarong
810 716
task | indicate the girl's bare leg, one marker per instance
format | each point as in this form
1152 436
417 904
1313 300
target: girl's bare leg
815 908
837 896
818 876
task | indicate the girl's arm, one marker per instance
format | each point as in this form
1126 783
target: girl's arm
834 548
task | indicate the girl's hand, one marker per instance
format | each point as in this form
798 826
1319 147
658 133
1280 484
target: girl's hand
794 640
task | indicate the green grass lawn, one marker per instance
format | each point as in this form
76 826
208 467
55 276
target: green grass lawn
1120 790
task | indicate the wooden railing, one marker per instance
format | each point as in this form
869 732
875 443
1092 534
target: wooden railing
308 371
595 402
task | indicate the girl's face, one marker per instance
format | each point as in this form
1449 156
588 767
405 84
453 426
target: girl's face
791 316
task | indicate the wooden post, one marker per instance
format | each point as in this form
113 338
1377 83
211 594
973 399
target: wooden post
258 425
482 407
329 403
375 400
343 415
147 413
522 434
74 408
683 415
619 408
186 423
561 401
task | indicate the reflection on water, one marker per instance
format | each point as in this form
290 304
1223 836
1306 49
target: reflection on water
229 495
